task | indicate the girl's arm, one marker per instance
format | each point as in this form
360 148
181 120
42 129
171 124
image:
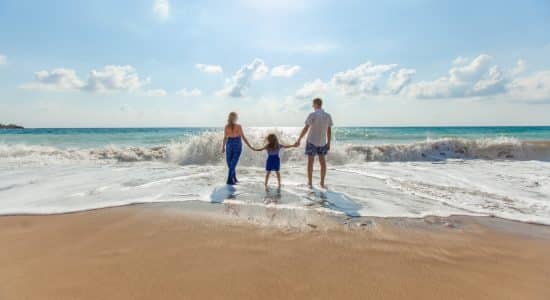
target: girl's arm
246 140
259 149
224 139
288 146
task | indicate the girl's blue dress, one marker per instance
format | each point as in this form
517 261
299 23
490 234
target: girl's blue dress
273 162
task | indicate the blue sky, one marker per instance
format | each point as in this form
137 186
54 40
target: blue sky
187 63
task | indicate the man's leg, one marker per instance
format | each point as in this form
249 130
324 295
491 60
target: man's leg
310 160
323 163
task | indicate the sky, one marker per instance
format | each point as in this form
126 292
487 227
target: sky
142 63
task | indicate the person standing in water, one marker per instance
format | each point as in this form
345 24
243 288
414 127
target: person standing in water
273 162
319 125
232 146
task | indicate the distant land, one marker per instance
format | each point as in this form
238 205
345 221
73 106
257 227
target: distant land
10 126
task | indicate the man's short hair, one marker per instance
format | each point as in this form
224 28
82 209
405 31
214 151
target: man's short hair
318 102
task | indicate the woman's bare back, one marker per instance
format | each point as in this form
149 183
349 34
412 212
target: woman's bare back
236 131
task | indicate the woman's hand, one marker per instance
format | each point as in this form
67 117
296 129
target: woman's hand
223 150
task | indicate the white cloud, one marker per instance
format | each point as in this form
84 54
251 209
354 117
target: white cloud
56 80
156 93
189 93
493 83
114 78
161 8
364 80
398 80
520 67
211 69
284 71
110 78
237 85
535 87
361 80
477 78
3 59
312 89
460 60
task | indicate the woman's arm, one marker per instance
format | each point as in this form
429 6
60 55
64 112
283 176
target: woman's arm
224 139
245 139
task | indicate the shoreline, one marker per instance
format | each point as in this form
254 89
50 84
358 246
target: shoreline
172 251
203 208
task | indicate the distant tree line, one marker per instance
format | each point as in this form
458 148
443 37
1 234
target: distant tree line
10 126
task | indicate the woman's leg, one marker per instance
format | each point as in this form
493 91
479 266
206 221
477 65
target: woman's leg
235 161
233 152
278 178
228 160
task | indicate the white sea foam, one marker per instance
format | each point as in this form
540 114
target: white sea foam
502 177
204 149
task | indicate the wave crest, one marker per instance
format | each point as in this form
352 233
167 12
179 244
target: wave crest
205 149
455 148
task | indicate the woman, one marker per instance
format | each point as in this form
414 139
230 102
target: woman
232 145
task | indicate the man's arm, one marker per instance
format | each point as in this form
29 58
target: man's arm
329 137
302 134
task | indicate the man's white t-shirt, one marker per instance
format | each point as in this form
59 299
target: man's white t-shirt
319 121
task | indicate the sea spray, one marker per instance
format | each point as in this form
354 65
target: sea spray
205 149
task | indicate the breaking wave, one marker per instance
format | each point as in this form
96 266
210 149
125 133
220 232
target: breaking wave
205 149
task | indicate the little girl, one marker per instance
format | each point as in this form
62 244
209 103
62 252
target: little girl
273 162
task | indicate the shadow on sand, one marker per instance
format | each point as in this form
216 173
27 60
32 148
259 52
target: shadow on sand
335 201
220 194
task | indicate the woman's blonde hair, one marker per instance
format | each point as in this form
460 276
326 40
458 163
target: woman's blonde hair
232 119
272 141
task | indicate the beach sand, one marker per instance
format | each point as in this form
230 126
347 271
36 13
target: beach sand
147 252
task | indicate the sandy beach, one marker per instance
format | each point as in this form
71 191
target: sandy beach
147 252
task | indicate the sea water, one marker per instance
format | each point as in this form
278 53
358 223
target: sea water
373 171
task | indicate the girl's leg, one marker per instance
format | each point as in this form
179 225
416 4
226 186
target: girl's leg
278 178
267 177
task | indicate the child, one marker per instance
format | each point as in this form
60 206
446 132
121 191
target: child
273 162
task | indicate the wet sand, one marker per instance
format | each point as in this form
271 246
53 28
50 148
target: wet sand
147 252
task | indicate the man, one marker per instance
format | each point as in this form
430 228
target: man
319 124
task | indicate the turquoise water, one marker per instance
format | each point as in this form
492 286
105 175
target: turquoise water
136 137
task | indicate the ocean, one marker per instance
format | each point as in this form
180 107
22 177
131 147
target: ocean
373 171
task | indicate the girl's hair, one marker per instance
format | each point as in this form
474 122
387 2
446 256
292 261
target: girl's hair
232 119
272 142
